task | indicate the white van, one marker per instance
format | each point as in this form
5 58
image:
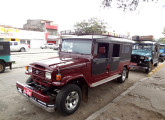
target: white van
16 46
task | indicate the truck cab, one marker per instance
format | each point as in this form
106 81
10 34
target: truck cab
162 53
84 61
145 54
5 56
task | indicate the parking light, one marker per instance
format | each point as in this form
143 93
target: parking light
58 77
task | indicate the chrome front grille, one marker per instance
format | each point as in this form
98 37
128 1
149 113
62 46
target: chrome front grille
38 72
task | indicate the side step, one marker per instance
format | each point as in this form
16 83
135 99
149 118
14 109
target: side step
105 80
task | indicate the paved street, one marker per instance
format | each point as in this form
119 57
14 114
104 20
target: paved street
13 106
142 101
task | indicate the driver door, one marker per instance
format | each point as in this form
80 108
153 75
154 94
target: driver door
100 64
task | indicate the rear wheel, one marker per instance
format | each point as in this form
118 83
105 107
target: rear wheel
2 67
22 50
68 99
123 75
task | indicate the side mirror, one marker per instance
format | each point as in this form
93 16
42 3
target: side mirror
101 50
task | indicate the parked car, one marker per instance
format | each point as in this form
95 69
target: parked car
145 54
162 53
16 46
49 45
5 56
84 61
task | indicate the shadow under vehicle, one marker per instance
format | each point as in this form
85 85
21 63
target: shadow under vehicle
84 61
5 56
145 53
162 53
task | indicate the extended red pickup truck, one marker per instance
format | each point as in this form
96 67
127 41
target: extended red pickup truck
84 61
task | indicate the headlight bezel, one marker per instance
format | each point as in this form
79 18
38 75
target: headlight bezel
48 75
30 70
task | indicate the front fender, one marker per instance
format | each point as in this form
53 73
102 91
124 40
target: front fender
69 78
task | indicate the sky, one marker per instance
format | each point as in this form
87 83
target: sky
148 19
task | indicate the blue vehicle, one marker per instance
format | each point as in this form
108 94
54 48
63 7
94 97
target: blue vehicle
5 56
162 53
145 54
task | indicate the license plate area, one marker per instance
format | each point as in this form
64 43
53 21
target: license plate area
27 91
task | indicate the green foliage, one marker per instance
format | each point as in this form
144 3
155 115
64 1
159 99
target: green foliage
162 40
125 4
92 24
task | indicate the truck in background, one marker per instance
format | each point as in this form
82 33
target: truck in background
5 56
145 53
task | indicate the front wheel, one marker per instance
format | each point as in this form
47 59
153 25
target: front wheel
123 75
2 67
149 67
68 99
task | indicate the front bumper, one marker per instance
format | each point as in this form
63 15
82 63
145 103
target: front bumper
139 65
36 98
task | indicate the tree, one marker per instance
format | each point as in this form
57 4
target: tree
125 4
91 25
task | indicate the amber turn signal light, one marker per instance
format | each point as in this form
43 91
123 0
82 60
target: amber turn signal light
58 77
26 67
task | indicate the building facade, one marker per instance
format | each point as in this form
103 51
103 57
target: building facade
46 26
34 38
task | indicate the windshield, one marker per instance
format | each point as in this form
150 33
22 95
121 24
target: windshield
142 47
77 46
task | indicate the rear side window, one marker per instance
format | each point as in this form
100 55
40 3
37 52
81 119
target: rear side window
15 43
116 50
126 49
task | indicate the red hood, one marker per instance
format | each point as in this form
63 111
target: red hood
61 62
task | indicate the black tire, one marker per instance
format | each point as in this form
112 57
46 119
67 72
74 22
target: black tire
124 75
2 67
29 80
149 68
22 50
65 97
156 64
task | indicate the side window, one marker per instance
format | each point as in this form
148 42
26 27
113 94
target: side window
116 50
15 43
126 49
1 47
102 51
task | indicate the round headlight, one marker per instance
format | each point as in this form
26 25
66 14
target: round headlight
142 57
48 75
29 69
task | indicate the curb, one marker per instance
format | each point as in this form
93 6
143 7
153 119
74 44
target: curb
105 108
155 70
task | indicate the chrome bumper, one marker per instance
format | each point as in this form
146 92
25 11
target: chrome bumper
43 105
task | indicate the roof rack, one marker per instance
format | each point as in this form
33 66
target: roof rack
143 38
81 32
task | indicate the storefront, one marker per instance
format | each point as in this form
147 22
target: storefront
34 38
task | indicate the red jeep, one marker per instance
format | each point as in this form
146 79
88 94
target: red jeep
84 61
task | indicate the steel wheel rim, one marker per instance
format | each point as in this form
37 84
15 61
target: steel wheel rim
72 100
124 75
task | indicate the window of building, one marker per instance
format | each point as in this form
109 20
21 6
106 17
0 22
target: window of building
116 50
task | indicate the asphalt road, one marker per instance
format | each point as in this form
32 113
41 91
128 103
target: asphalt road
13 106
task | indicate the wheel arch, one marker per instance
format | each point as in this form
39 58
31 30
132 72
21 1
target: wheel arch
81 82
